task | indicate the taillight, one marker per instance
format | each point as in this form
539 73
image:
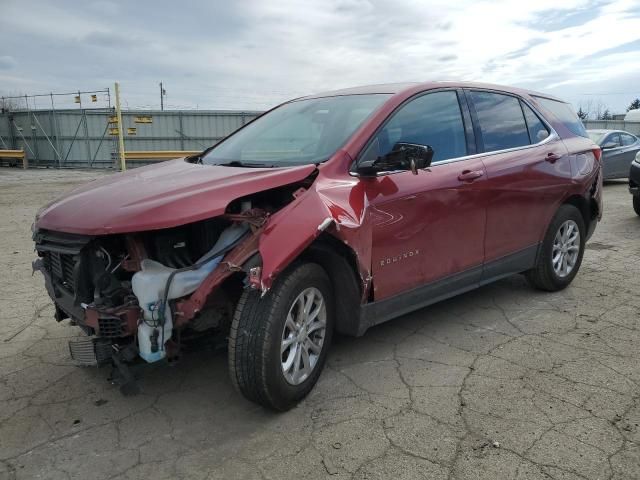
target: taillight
597 153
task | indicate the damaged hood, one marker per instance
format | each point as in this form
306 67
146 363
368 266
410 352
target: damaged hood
159 196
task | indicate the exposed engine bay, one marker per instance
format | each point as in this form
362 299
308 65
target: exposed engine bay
143 294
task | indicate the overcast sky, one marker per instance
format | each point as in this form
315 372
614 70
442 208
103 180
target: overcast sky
254 54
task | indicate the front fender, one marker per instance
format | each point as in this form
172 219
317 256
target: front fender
338 207
289 231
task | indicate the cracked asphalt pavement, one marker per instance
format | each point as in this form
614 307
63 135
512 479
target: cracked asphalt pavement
501 383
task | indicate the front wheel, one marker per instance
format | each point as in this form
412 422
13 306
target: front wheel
636 204
278 343
561 252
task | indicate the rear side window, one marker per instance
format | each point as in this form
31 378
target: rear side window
627 139
565 113
501 121
537 130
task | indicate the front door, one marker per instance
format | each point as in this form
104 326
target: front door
613 157
617 160
429 226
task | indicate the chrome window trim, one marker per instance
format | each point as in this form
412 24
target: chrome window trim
553 135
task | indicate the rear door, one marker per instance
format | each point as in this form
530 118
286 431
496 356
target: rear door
527 172
428 226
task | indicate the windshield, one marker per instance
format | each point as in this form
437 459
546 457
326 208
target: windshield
297 133
595 136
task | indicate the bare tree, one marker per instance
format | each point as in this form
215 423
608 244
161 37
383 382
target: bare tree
11 101
593 108
599 109
586 107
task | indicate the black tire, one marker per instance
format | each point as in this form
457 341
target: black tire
256 334
636 204
543 276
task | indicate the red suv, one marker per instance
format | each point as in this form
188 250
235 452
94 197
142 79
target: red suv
330 213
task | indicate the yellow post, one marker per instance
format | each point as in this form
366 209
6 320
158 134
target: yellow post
123 165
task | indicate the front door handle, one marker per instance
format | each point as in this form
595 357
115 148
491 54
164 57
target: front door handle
470 175
552 157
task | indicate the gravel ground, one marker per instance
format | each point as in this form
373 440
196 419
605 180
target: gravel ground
500 383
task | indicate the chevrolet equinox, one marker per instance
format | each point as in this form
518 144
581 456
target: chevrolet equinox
329 213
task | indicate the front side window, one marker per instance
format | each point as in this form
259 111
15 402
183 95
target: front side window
433 119
613 139
297 133
501 121
627 139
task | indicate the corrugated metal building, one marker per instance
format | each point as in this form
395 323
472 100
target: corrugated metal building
631 127
83 138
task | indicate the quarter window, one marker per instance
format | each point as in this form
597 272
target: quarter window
501 121
566 114
433 119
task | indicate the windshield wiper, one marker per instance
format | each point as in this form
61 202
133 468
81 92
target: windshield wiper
238 163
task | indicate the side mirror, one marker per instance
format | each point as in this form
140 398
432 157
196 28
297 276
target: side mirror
403 156
609 146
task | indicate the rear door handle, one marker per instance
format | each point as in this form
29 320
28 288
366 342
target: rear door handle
470 175
552 157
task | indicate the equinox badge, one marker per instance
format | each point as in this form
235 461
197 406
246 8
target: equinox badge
402 256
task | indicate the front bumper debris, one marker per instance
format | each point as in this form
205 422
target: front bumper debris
91 351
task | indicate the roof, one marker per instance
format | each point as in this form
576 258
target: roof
397 88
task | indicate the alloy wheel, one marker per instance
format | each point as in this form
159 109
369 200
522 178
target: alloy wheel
303 336
566 248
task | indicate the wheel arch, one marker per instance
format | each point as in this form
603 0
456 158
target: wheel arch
340 263
588 208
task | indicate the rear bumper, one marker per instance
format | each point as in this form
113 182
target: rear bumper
594 199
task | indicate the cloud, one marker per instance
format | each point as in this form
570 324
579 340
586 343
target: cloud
7 62
520 52
107 39
254 54
556 19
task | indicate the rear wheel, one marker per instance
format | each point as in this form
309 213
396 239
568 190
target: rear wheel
278 343
561 251
636 204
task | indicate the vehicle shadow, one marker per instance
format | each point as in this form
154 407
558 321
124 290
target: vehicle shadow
460 321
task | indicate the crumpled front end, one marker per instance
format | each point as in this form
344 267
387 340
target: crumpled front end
127 292
146 294
143 294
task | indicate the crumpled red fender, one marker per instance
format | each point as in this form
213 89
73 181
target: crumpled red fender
337 206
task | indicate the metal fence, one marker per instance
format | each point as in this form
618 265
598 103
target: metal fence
86 138
631 127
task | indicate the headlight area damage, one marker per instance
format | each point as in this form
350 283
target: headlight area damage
142 294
